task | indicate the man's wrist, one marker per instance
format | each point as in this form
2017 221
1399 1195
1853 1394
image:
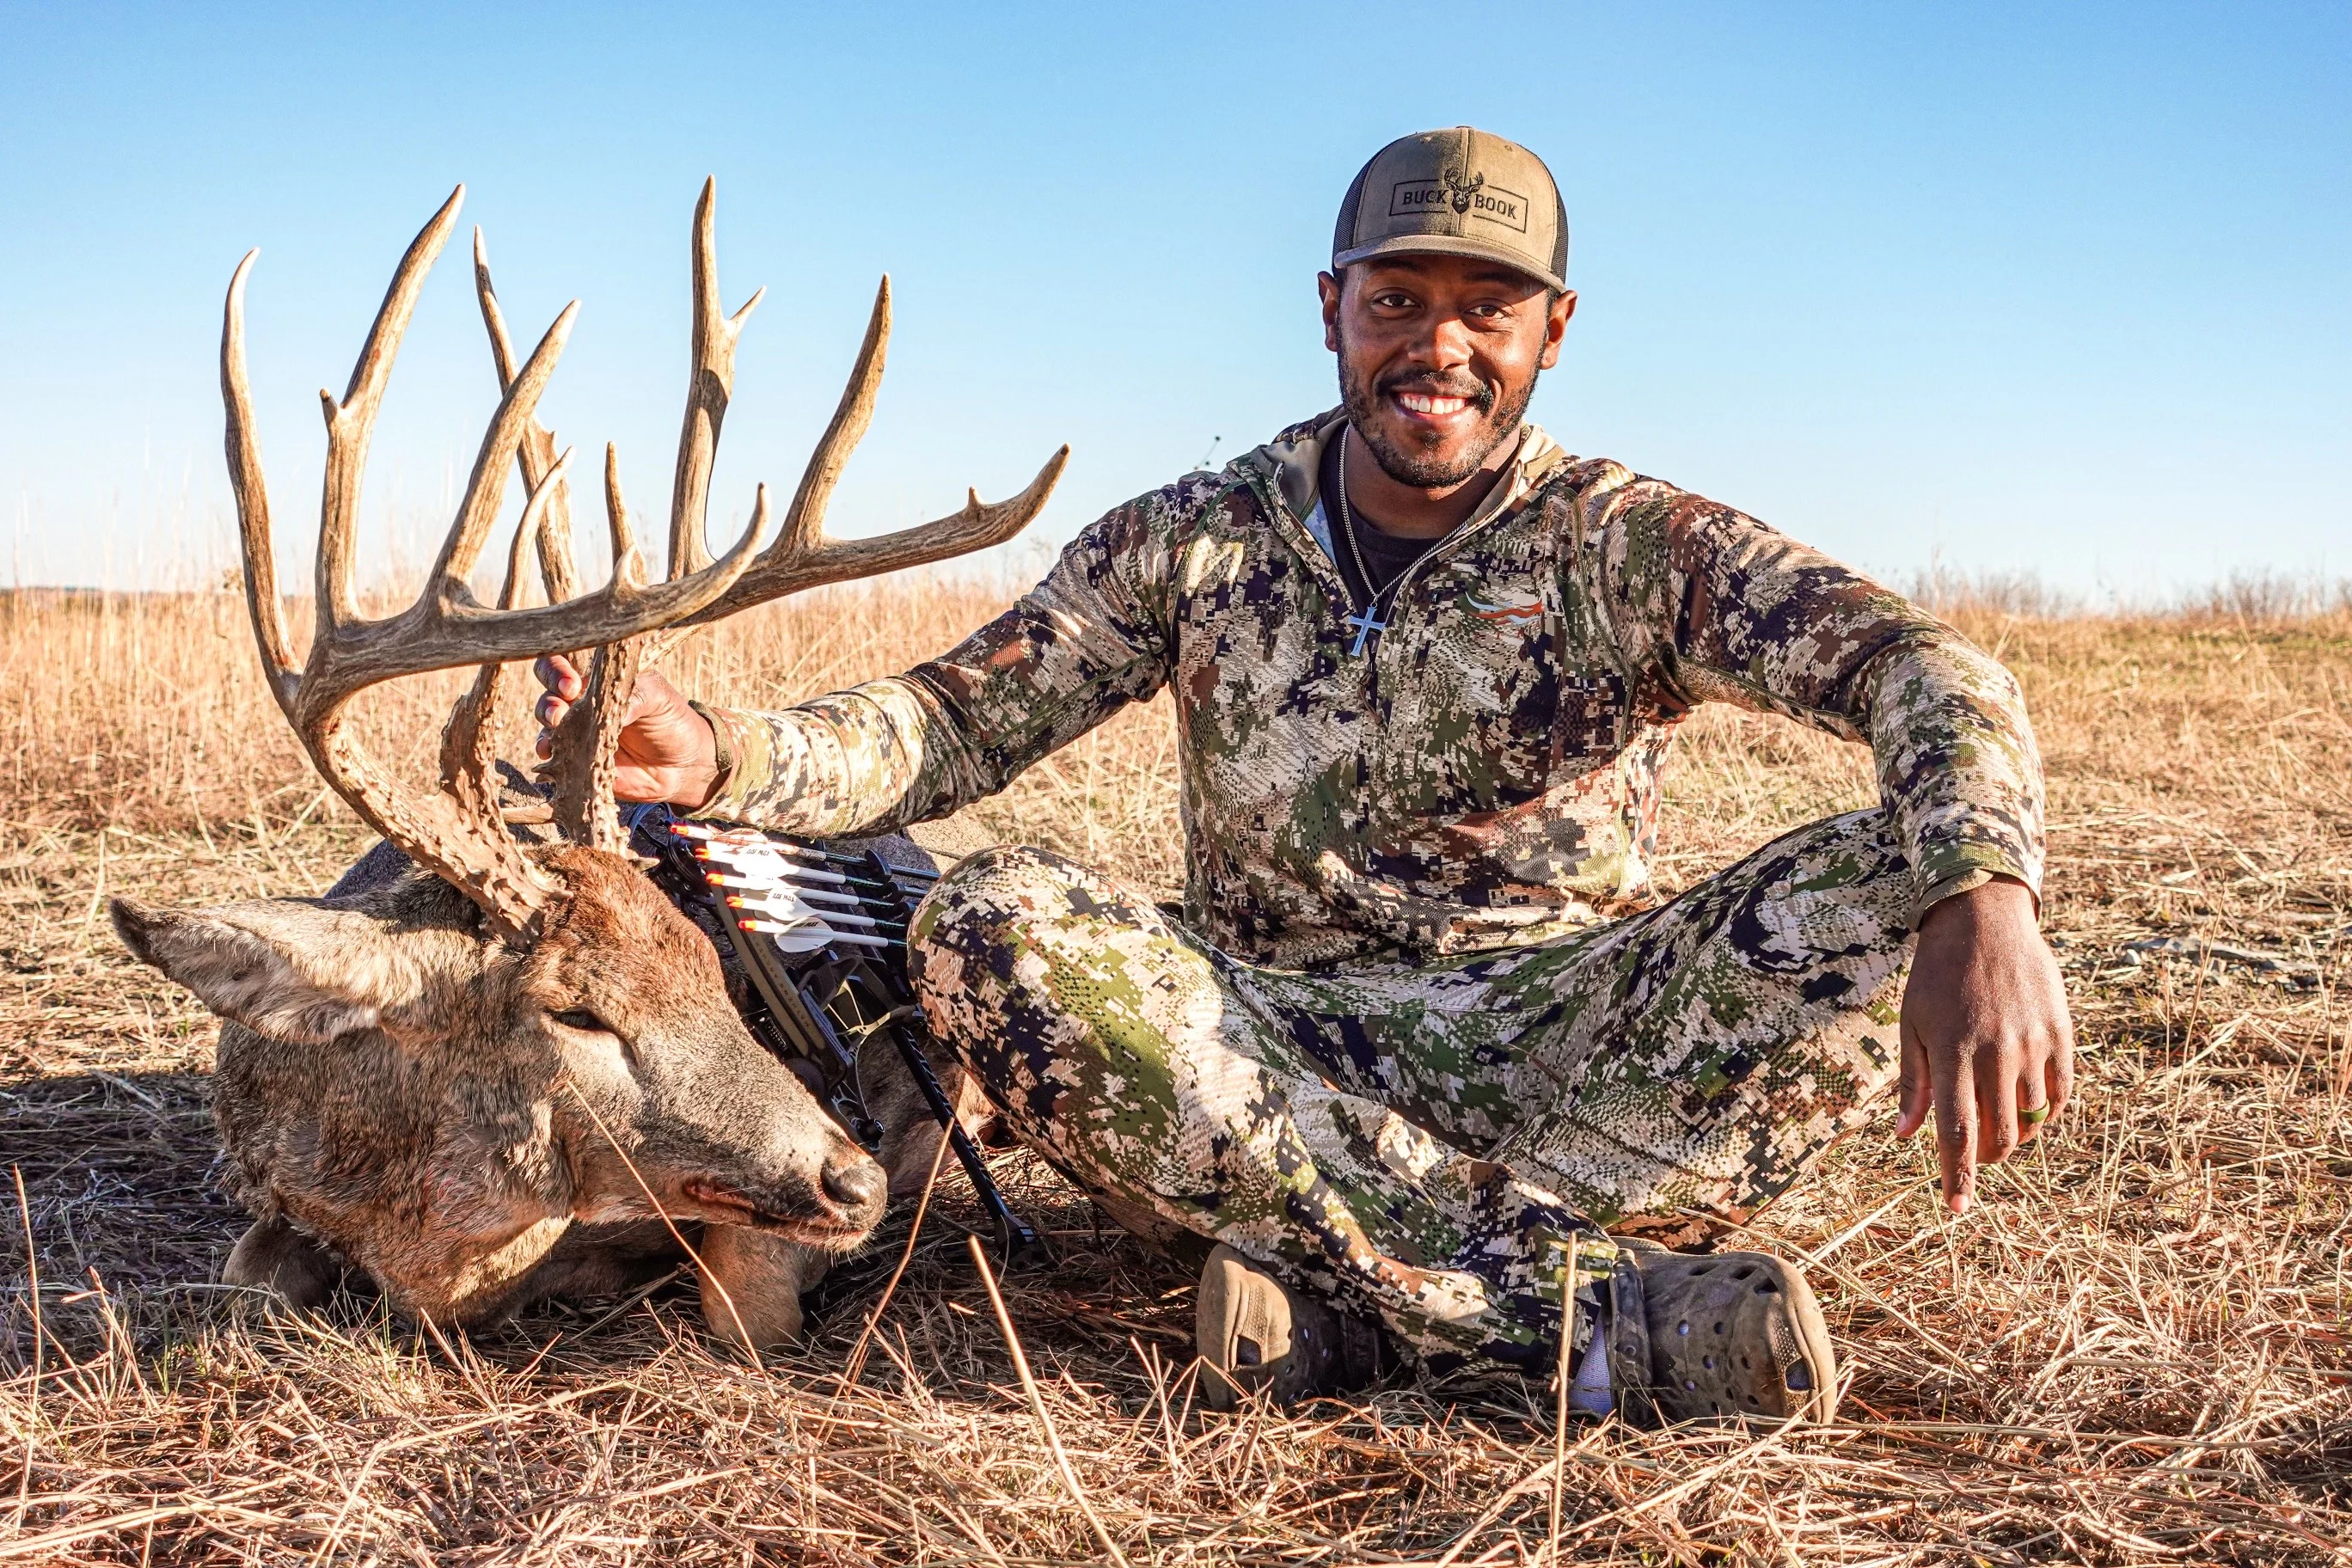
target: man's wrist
722 757
1979 892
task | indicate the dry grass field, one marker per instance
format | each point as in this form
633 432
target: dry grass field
2135 1351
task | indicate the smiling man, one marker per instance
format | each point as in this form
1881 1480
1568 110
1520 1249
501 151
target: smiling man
1423 1057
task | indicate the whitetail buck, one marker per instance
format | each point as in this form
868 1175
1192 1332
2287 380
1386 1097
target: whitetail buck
503 1070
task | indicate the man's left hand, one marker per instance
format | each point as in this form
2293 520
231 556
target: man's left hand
1986 1041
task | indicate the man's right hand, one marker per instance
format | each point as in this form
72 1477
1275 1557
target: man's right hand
666 752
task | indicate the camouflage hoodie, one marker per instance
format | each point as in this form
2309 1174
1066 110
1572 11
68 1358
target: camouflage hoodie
1487 773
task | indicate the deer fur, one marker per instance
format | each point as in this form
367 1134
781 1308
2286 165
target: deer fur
400 1089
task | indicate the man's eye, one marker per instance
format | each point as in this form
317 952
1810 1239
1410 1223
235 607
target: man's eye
582 1018
1393 301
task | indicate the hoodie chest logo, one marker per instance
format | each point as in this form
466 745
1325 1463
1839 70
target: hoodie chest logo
1511 610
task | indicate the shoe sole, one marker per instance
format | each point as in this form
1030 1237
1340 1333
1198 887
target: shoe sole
1735 1335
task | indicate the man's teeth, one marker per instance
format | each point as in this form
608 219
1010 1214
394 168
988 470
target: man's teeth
1431 403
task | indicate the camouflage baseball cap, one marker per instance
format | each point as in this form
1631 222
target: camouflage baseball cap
1456 193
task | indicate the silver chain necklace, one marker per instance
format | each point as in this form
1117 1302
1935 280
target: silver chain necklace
1369 624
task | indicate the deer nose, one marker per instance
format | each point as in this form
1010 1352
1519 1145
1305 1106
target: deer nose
854 1181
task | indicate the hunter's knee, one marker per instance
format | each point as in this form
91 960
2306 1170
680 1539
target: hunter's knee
979 908
1036 972
969 933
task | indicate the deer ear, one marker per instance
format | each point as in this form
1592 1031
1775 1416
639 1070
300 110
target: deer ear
287 968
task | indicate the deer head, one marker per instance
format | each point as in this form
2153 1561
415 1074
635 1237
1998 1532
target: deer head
444 1073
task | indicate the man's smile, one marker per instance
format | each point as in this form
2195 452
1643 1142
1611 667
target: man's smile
1437 405
1418 408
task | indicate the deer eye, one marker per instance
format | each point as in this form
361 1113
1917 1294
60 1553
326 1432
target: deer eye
582 1018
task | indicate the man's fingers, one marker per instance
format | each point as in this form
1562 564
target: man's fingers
2043 1087
2058 1072
2032 1097
1913 1089
1997 1104
559 675
1956 1135
564 686
549 710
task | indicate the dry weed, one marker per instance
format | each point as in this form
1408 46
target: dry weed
2134 1351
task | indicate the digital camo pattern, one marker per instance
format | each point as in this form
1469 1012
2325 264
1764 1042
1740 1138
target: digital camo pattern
1434 1142
1486 773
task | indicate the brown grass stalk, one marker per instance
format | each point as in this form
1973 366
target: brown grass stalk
1037 1401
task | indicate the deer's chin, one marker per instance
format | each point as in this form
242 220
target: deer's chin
716 1203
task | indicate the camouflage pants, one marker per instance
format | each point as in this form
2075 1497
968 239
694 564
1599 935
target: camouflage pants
1434 1142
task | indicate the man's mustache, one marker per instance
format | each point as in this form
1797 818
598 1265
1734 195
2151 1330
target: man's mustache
1476 392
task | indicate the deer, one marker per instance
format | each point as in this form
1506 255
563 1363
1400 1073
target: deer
495 1064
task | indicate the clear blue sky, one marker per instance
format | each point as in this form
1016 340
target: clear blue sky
2036 287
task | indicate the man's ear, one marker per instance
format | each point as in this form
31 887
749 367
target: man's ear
1556 328
1327 287
287 968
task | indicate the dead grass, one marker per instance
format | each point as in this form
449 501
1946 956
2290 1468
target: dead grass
2135 1351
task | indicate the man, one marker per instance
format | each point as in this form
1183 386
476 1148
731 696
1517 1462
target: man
1416 1039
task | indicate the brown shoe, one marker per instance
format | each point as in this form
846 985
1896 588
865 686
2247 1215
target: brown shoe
1255 1332
1710 1336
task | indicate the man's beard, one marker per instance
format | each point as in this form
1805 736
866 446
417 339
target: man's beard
1421 469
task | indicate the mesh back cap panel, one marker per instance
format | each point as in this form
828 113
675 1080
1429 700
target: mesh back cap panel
1459 192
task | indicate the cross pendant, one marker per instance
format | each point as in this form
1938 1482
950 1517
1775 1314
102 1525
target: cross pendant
1365 624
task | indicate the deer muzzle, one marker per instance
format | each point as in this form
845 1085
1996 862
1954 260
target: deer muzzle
836 1212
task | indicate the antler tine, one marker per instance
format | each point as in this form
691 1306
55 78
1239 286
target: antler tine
580 757
851 418
536 455
805 556
351 422
628 562
709 389
253 531
470 739
558 567
485 487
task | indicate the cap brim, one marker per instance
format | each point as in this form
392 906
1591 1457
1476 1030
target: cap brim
1448 244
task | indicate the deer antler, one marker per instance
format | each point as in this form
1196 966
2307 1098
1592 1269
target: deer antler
536 456
455 831
707 393
445 628
585 742
805 556
802 557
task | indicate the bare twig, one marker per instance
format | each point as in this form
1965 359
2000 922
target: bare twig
1037 1403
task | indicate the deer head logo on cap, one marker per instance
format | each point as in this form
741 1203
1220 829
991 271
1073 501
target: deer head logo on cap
1462 190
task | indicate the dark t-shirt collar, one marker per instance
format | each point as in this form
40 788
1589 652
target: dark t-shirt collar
1386 554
